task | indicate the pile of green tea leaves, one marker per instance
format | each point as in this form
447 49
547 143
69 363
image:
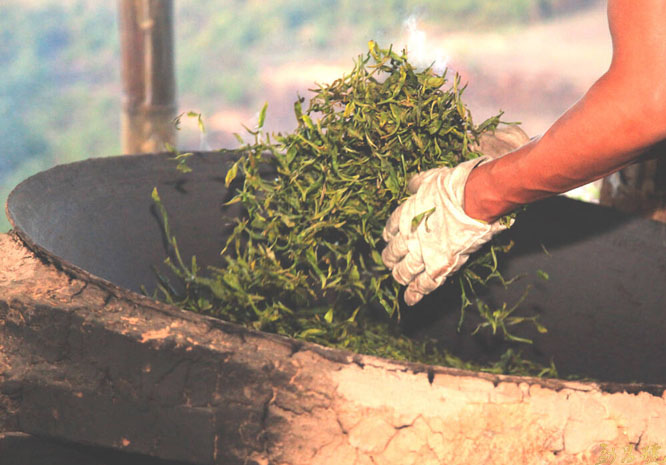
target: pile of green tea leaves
304 260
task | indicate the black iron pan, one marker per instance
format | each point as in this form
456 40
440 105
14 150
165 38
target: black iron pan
603 303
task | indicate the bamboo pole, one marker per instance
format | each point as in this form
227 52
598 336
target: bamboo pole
148 77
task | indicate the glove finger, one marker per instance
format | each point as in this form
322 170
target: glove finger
412 297
393 224
501 141
409 211
448 268
395 251
416 181
405 271
422 285
512 135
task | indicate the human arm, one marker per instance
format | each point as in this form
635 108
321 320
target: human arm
622 115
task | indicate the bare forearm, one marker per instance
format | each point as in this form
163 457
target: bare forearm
621 116
599 135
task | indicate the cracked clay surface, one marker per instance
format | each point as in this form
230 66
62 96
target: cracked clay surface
86 363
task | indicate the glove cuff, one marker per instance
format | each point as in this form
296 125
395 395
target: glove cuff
470 234
454 185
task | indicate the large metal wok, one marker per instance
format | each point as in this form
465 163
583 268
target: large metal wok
603 303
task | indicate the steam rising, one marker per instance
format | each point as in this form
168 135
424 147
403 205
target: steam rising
420 53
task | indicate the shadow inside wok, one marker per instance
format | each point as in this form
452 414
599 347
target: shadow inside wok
603 302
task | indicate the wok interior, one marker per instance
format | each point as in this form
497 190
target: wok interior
602 302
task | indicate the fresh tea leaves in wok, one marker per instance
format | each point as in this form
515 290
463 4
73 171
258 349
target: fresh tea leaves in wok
304 261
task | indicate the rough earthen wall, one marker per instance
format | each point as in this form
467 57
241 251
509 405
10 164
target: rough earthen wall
89 363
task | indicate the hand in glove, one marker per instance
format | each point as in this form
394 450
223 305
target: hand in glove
429 235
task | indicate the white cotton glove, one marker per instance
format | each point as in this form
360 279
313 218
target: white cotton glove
422 255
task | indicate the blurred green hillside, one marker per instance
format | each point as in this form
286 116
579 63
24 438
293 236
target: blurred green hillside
60 89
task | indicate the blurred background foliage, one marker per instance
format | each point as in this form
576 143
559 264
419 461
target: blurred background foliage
60 89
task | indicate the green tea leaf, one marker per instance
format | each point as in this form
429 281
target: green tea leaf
231 174
262 116
418 219
156 196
